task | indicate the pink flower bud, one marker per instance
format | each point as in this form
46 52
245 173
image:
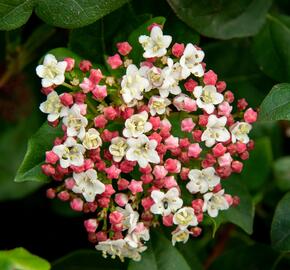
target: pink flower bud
221 86
70 63
110 113
250 116
218 150
124 48
149 28
229 96
46 90
122 184
100 121
147 203
115 217
155 121
224 172
109 190
104 202
197 205
229 199
224 109
69 183
114 61
172 165
242 104
190 85
159 171
99 92
77 204
47 169
244 155
147 178
135 186
87 85
95 76
184 173
91 225
50 193
171 142
177 49
237 166
225 160
66 99
210 78
184 142
113 172
189 105
167 220
121 199
196 231
202 120
194 150
51 157
101 236
127 113
170 182
187 125
79 98
85 65
196 134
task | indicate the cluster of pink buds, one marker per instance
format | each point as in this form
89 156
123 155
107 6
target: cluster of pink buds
149 148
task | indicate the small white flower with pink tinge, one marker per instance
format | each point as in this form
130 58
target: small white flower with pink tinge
191 60
51 71
214 202
118 148
92 139
133 84
142 150
165 203
53 107
240 132
69 153
156 45
75 122
154 76
158 105
202 180
215 131
180 236
185 217
130 217
207 97
136 125
88 185
139 233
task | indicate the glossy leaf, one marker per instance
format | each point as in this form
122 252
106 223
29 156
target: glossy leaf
282 173
41 141
222 19
161 255
19 258
280 229
276 105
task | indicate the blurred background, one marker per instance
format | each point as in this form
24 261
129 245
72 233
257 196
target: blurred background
251 58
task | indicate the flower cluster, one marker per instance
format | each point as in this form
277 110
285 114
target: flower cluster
151 147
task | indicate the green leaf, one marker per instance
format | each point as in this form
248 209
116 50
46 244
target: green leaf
14 13
137 52
21 259
161 255
243 214
282 173
280 229
40 142
271 48
222 19
86 260
276 105
73 14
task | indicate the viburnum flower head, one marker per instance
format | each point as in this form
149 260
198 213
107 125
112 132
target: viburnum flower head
144 145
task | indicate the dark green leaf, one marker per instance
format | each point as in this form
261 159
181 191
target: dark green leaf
161 255
222 19
271 48
282 173
280 230
276 105
41 141
86 260
21 259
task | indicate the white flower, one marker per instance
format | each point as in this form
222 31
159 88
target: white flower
165 203
142 150
213 202
185 217
53 107
75 122
154 75
139 233
69 153
51 72
156 44
158 105
88 185
215 131
202 180
191 60
118 148
207 97
130 217
240 131
92 139
136 125
133 84
180 236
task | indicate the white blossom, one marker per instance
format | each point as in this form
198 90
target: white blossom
185 217
92 139
51 71
75 122
180 236
240 131
53 107
158 105
88 185
202 180
142 150
133 84
118 148
214 202
156 44
154 75
191 60
165 203
69 153
130 217
207 97
137 124
139 233
215 131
